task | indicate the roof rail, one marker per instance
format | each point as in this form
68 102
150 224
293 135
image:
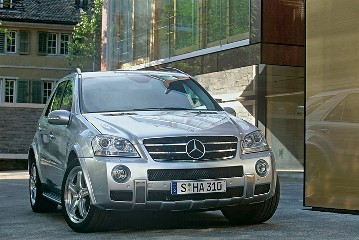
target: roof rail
124 70
78 70
171 69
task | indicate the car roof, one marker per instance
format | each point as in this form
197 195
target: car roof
132 72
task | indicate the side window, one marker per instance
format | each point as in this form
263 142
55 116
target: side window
67 98
346 110
55 102
351 113
336 113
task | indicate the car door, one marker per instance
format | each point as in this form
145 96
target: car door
47 160
61 138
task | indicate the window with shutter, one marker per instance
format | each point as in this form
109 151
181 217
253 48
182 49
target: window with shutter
2 42
42 43
24 42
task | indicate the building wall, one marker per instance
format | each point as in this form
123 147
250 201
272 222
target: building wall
233 88
30 70
332 97
18 127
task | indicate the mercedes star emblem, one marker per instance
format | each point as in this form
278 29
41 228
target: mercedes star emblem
195 149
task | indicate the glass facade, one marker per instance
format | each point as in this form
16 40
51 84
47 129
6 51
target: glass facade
285 115
332 100
145 30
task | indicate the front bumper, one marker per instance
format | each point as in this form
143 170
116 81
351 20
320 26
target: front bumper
149 187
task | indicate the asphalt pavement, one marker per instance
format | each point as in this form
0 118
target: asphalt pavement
291 221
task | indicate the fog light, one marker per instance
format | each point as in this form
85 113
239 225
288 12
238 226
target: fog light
120 173
262 168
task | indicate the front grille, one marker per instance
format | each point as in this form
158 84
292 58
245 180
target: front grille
174 148
261 189
121 196
167 196
194 173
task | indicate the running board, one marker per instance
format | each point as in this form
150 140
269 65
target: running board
53 197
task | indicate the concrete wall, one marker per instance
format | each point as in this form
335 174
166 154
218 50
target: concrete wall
233 88
18 123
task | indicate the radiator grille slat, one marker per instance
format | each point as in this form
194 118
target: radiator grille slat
175 148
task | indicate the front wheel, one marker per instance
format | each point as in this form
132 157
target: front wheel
78 211
253 213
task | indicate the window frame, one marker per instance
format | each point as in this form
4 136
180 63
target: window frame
14 42
64 44
228 38
45 97
3 89
54 46
11 4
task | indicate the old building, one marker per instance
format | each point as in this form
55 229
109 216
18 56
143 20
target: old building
32 59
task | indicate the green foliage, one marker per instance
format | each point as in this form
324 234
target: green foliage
86 45
3 30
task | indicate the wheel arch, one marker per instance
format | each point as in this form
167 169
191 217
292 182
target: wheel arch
319 154
75 156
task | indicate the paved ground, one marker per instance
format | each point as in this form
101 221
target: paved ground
291 221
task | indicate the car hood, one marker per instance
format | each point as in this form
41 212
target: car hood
149 124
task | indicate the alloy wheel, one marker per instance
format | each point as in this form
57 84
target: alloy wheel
76 196
33 184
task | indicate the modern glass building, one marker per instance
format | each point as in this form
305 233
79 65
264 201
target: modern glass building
332 97
249 54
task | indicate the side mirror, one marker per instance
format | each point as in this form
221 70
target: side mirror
59 117
230 110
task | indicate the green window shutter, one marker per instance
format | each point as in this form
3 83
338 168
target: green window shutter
24 42
2 42
23 91
42 43
36 91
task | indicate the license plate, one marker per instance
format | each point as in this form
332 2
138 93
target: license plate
192 187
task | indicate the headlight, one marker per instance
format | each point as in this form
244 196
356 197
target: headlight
254 142
105 145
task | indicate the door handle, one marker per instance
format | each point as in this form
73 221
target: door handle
324 130
51 136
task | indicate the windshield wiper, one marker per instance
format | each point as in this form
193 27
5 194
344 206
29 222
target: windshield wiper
159 109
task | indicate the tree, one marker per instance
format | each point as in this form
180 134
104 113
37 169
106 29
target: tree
3 30
86 45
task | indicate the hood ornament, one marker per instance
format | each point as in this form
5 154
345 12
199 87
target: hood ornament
195 149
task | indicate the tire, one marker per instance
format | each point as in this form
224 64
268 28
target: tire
37 201
253 213
77 208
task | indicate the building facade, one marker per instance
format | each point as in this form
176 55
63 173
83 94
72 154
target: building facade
33 53
32 59
332 99
249 54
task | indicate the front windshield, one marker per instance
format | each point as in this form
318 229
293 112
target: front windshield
134 92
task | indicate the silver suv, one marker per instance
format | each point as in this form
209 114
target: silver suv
146 140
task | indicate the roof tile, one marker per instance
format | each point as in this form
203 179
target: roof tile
44 11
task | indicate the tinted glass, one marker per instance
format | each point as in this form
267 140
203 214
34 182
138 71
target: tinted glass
138 92
67 98
56 99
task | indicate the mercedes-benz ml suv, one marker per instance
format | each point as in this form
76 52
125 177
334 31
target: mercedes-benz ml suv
149 141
